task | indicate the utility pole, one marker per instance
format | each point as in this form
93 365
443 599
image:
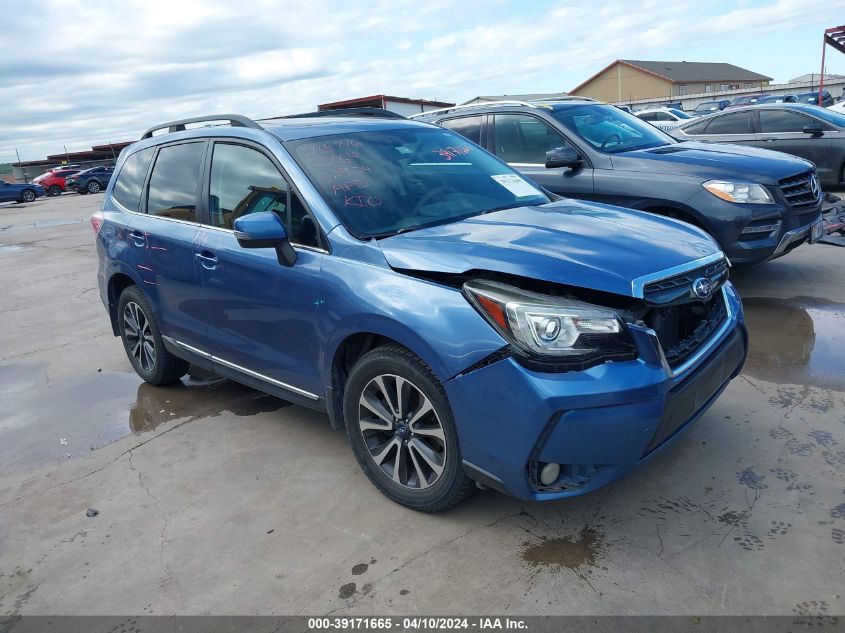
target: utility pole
20 164
67 158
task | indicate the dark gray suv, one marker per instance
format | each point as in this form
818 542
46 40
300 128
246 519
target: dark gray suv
757 204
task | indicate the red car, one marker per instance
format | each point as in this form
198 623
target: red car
54 181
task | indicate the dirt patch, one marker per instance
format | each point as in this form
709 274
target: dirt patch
571 553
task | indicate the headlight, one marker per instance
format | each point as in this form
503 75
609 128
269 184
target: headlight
551 328
741 192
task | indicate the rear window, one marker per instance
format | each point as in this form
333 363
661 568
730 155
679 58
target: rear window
130 180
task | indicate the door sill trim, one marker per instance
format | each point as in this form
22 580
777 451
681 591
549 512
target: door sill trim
243 370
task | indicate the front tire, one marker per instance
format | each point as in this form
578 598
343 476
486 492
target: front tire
143 343
27 195
401 429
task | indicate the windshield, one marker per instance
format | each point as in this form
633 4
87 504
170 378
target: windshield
679 113
831 116
384 182
707 106
609 129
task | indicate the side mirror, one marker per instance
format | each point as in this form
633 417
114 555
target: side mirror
814 129
265 230
565 156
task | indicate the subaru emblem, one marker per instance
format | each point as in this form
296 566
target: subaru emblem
702 287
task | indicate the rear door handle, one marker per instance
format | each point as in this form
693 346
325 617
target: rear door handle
138 238
207 259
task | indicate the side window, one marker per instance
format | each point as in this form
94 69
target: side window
173 185
521 138
736 123
130 180
468 126
244 181
772 121
648 116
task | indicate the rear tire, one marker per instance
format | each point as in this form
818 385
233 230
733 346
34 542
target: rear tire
54 190
142 340
93 186
401 429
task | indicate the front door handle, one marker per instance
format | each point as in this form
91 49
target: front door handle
138 238
207 259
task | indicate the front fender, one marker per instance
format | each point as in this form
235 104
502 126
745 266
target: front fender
432 320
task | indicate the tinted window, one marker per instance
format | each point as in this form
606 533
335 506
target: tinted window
469 126
521 138
648 116
736 123
772 121
831 116
382 182
130 181
173 185
244 181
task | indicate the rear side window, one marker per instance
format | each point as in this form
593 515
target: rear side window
173 185
130 181
468 126
736 123
697 128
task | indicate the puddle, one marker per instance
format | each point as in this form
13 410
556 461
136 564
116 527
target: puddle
572 553
48 421
796 341
11 248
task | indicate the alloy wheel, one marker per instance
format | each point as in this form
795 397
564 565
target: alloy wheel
139 336
402 431
28 195
93 186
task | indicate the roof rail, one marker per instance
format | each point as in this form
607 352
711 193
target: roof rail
235 120
483 104
570 98
380 113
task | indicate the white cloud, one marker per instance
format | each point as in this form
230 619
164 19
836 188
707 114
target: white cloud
106 71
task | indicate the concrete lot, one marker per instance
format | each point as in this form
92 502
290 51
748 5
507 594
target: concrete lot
213 498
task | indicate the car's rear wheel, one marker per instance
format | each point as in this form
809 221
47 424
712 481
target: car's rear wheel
93 186
27 195
400 425
54 190
142 340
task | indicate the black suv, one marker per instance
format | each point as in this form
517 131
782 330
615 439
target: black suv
91 180
757 204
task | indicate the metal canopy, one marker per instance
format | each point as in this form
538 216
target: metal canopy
835 37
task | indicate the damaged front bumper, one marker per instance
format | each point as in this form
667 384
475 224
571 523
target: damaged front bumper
597 424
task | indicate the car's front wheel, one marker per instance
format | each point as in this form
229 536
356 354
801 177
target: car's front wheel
93 186
142 340
27 195
400 425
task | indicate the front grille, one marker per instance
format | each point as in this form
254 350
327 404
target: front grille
683 329
798 190
679 287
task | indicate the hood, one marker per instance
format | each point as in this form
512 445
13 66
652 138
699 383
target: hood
588 245
713 160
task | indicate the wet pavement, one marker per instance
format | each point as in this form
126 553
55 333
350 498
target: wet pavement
215 498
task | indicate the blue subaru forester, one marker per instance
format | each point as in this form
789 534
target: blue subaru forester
463 326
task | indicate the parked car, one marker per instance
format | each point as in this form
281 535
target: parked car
54 181
91 180
664 118
814 133
777 99
839 106
454 319
709 107
742 197
746 100
812 98
13 192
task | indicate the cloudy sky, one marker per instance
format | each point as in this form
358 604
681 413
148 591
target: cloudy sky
84 73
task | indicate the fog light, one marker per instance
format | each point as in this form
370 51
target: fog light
549 474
